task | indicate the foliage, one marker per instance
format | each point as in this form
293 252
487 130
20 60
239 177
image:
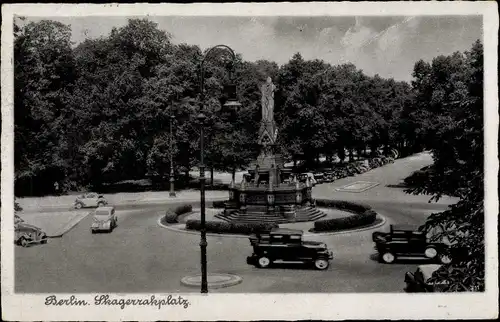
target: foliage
335 224
171 216
343 205
100 112
363 215
223 227
450 92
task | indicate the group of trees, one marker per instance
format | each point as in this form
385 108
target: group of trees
450 121
100 112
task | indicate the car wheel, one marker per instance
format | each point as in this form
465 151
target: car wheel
430 252
388 257
444 259
321 264
263 262
78 206
100 204
23 242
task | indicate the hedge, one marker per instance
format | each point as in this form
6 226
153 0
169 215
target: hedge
343 205
362 219
223 227
171 216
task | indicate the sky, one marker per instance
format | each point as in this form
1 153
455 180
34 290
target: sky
388 46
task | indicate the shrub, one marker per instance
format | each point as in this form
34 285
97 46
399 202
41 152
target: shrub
219 204
171 216
343 205
222 227
183 209
362 219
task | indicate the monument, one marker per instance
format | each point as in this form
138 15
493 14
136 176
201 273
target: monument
269 192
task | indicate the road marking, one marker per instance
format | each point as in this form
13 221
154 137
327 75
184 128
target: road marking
358 186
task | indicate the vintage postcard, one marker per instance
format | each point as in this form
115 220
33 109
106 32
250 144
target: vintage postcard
264 161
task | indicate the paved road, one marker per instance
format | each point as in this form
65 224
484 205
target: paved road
140 256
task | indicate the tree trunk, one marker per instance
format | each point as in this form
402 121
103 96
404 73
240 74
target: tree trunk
212 176
341 154
351 156
233 175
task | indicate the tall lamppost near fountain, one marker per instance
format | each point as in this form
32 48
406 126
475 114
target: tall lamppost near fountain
231 102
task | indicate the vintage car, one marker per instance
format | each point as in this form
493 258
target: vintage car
105 219
26 234
329 176
408 241
90 200
286 246
420 280
319 177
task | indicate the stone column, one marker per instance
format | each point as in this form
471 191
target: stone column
270 196
298 193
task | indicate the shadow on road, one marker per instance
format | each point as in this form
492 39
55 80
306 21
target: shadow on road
398 185
290 266
406 260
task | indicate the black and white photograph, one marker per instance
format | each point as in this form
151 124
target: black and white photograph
249 161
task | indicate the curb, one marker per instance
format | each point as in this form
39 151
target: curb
72 224
306 234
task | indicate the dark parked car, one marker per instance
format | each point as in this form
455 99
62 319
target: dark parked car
26 234
329 176
420 280
319 177
408 241
287 246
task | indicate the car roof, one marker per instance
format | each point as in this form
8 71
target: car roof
286 231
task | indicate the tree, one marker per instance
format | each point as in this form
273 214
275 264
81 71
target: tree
455 106
44 74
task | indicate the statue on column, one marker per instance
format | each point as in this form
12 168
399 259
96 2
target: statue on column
267 122
268 101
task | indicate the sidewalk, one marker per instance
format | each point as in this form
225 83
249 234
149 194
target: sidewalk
55 224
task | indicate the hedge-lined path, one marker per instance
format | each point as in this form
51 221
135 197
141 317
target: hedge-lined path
140 256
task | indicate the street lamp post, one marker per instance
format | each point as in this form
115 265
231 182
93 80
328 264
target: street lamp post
172 180
201 119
